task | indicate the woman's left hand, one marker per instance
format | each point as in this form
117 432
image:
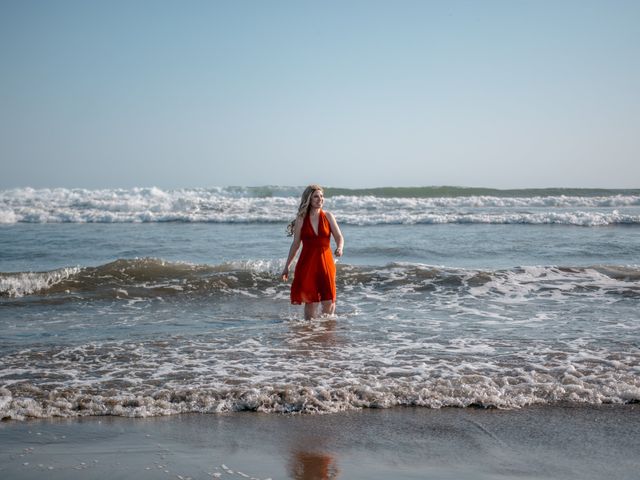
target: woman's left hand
285 274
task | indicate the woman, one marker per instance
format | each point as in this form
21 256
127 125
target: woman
314 281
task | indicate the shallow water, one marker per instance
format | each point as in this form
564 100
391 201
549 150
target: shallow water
162 317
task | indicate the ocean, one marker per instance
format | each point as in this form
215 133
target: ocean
147 302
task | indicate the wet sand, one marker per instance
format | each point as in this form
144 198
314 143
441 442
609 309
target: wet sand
559 442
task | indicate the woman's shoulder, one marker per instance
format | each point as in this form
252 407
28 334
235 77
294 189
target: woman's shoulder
329 215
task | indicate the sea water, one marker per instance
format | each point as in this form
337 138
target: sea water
148 302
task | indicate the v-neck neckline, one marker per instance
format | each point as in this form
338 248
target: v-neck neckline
311 223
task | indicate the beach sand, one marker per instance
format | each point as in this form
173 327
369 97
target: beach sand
560 442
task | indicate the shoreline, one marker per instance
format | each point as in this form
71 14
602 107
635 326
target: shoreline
562 442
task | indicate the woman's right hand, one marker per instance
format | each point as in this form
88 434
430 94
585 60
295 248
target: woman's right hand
285 274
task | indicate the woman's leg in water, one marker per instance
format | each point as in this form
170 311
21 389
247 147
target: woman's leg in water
310 310
328 307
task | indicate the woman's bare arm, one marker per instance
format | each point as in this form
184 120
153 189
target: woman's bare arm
337 234
295 246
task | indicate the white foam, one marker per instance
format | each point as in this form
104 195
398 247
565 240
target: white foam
25 283
314 371
273 267
232 205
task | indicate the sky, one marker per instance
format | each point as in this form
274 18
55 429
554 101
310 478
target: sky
179 94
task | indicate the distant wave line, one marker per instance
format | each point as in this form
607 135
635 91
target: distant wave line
236 205
452 191
268 191
579 218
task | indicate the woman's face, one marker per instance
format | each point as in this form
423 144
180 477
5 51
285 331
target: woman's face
317 199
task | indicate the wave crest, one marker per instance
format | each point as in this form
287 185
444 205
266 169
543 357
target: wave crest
152 278
277 205
29 401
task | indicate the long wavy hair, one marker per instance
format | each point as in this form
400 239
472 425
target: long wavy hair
303 209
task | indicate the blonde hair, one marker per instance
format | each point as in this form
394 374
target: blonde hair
303 209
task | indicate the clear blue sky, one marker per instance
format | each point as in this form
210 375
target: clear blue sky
346 93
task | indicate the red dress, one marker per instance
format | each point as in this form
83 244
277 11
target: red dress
314 279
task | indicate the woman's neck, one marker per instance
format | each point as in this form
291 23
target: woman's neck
314 211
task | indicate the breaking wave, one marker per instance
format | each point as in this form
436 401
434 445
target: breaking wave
510 390
140 277
151 278
357 207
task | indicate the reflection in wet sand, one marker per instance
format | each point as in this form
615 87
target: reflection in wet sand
306 465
